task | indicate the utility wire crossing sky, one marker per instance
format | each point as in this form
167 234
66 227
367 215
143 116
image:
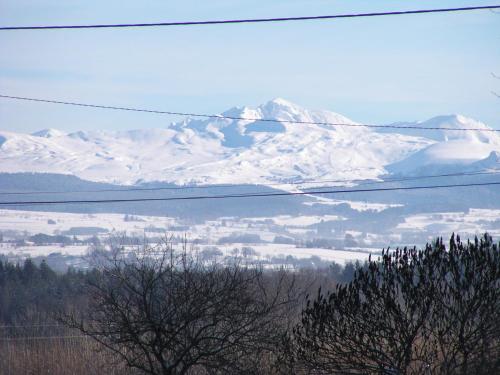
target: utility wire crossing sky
383 65
252 20
444 128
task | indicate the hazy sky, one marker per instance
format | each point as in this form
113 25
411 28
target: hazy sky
376 70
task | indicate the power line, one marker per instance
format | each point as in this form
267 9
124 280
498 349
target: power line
253 195
251 20
308 182
131 109
414 178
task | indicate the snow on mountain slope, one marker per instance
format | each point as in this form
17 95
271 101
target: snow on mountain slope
48 133
265 151
447 122
121 157
239 151
454 149
490 162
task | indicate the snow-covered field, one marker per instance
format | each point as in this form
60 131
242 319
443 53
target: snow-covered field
56 222
299 220
30 223
268 251
218 233
355 205
36 251
263 251
473 222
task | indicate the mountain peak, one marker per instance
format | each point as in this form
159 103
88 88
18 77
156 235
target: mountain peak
271 108
48 133
493 158
448 128
281 102
280 105
452 121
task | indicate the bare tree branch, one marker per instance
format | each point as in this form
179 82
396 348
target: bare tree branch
166 312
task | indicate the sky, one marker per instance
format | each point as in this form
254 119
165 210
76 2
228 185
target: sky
372 70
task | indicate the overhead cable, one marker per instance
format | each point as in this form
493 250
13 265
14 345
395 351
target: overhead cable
364 182
252 195
191 114
250 20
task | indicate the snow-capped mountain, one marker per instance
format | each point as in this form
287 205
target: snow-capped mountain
250 151
438 129
454 150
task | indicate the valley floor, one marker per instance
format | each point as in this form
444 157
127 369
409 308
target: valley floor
269 239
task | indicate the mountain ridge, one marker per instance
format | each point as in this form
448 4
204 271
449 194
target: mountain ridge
221 150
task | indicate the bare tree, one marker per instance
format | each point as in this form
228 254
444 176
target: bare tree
163 311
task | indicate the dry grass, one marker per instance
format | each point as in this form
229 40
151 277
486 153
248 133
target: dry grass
73 355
